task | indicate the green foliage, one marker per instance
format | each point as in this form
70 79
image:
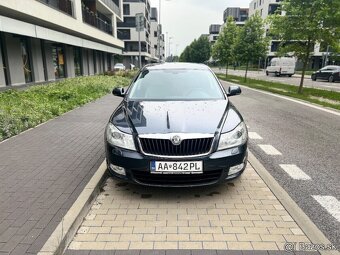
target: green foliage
224 48
251 43
318 96
305 24
24 109
197 52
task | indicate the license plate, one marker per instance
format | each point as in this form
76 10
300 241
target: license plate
190 167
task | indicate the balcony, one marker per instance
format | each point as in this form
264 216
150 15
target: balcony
65 6
92 19
112 4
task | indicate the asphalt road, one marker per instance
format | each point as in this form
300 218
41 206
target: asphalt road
308 138
294 80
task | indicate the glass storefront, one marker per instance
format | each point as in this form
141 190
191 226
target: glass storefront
77 61
58 57
26 60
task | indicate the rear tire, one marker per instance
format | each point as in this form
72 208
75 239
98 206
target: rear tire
267 73
290 75
331 78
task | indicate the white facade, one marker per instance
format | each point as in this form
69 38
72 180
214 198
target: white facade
149 37
44 40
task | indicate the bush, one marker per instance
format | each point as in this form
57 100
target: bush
24 109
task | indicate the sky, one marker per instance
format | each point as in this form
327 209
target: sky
185 20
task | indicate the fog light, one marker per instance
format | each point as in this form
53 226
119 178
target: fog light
235 169
118 170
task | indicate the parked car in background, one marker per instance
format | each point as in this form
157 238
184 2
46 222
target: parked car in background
119 67
282 66
176 127
328 73
132 66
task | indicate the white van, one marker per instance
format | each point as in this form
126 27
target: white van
282 66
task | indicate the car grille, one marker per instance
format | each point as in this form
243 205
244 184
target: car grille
147 178
188 147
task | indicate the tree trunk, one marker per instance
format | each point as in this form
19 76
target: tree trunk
226 70
245 76
303 76
304 67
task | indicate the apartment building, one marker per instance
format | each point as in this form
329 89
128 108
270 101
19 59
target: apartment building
268 7
128 33
47 40
157 55
240 15
214 30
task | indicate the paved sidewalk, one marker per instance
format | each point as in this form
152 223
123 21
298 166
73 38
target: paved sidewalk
43 171
241 215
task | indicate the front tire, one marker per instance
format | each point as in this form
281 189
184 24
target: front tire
267 73
331 78
313 78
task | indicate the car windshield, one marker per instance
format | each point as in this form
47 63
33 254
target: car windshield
119 64
176 85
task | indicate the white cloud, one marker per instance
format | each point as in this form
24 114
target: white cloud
185 20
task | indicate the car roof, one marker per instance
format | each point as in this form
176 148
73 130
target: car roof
330 66
176 65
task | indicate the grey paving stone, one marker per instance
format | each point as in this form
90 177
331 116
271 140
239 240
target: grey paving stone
204 252
178 252
56 161
152 252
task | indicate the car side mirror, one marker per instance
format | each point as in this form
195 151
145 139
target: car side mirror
234 91
119 92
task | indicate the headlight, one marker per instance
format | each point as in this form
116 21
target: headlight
234 138
117 138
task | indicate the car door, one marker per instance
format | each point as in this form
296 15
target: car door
325 73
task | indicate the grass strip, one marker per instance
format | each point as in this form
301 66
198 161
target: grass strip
318 96
24 109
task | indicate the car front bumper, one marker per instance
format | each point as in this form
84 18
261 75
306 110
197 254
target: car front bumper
216 167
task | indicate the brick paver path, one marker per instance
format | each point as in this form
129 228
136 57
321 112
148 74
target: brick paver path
43 171
241 215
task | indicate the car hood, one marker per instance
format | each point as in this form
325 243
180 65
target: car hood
150 117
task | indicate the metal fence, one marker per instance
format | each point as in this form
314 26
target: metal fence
92 19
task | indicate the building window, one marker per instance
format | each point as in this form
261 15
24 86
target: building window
78 70
26 60
124 34
58 61
126 9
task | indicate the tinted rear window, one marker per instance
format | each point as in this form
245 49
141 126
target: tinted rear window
176 85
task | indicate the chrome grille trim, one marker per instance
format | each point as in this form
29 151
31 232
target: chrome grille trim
197 139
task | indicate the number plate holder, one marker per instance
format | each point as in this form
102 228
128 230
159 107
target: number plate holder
176 167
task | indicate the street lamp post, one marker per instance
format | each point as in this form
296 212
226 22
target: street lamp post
159 30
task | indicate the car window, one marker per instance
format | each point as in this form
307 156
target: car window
176 85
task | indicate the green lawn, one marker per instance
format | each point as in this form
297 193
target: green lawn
322 97
24 109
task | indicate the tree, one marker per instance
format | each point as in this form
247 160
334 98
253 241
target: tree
197 52
251 43
303 25
224 48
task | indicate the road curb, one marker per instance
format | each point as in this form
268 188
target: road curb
303 221
65 231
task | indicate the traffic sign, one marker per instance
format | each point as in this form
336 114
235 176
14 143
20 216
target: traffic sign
140 22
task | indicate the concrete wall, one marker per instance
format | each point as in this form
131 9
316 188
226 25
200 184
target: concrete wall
49 62
37 61
15 63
